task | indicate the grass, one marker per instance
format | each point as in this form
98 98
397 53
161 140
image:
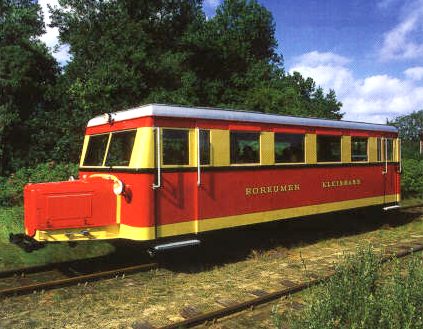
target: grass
11 256
364 293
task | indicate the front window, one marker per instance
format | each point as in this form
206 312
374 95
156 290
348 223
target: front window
118 146
96 149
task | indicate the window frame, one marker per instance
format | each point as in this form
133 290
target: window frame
189 141
209 164
340 148
303 149
367 149
258 133
106 152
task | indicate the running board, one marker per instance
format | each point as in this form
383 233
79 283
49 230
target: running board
173 245
391 207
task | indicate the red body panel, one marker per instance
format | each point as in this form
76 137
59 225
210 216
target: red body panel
72 204
223 192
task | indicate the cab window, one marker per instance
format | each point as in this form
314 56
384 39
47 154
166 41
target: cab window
175 147
96 149
120 148
328 148
245 147
289 148
359 149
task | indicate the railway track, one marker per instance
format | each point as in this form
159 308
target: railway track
195 318
36 273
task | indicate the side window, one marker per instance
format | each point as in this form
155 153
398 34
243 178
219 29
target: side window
175 147
328 148
120 148
245 147
205 147
96 149
390 149
359 149
289 148
379 149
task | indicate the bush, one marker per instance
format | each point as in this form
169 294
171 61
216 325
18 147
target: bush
359 295
412 177
11 188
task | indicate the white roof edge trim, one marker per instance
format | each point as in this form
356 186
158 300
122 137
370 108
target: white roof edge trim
233 115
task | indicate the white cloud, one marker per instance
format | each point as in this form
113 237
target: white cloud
414 73
51 37
372 99
402 42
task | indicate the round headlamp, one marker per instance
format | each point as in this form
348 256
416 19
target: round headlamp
118 187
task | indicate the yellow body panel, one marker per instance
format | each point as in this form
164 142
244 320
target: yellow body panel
219 140
310 148
267 145
346 149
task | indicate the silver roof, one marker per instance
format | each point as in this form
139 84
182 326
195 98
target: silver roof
231 115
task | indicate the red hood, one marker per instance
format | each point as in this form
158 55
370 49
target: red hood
73 204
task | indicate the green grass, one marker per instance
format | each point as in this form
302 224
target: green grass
11 256
364 293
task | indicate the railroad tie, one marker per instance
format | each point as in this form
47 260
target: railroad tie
189 312
288 283
258 292
226 302
141 324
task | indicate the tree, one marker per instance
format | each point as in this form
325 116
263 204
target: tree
410 126
27 71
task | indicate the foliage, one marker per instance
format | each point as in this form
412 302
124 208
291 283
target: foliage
27 71
11 188
360 295
410 125
412 177
126 53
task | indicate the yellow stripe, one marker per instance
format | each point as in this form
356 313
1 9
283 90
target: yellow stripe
148 233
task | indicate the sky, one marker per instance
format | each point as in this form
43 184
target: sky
369 51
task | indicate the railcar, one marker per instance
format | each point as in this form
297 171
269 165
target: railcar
161 171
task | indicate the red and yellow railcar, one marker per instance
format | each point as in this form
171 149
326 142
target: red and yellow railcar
161 171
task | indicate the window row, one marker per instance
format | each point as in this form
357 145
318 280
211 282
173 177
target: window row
114 149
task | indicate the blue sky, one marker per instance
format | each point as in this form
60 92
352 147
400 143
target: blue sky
370 52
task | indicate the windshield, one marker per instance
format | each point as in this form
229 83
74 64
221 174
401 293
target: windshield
119 149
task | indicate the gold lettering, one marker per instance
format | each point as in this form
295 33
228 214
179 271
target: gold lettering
248 191
262 190
255 190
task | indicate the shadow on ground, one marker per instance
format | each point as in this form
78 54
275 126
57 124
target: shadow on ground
229 246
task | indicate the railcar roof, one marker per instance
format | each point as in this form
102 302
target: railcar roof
232 115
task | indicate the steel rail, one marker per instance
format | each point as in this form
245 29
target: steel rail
249 304
27 289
